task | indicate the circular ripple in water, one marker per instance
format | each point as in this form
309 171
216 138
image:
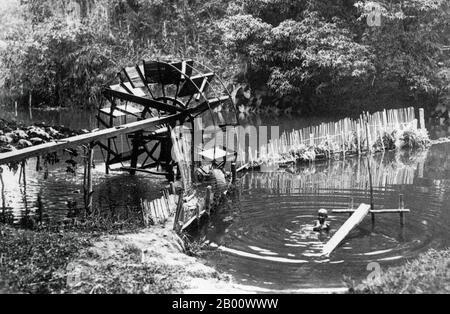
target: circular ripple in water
265 235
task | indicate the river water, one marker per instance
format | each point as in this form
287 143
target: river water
262 235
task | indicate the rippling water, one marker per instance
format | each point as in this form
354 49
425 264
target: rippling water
264 235
117 196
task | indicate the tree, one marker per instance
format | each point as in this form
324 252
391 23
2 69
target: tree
300 55
408 44
316 49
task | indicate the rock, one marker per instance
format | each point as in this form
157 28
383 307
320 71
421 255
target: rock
37 141
39 132
24 144
5 139
20 135
12 136
53 133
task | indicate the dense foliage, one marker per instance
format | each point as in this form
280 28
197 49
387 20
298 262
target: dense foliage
317 50
310 54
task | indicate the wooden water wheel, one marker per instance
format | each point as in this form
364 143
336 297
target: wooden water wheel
183 89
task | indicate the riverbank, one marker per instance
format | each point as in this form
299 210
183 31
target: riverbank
429 273
147 261
154 261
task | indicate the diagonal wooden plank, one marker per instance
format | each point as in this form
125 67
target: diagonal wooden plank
158 105
93 137
348 226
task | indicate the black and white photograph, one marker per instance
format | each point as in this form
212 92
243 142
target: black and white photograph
248 150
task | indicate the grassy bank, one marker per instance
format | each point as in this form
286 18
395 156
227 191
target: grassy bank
430 273
34 262
134 262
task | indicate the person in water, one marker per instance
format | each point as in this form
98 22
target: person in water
321 223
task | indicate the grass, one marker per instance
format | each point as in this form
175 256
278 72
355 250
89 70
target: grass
39 262
130 277
32 261
430 273
89 261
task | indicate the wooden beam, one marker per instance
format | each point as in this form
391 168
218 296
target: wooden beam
375 211
58 145
146 102
348 226
233 173
204 106
90 191
129 169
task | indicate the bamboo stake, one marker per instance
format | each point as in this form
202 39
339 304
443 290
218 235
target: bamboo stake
90 192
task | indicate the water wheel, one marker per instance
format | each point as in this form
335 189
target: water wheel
156 89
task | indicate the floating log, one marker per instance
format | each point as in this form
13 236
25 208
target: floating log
348 226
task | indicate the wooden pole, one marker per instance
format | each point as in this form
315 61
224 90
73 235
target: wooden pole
422 118
198 209
85 190
352 205
38 163
208 200
375 211
135 143
176 225
348 226
358 137
153 212
90 192
30 101
370 172
401 205
23 170
233 173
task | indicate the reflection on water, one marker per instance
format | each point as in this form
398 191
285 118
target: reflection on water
47 193
265 233
56 196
